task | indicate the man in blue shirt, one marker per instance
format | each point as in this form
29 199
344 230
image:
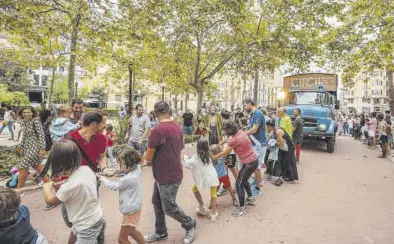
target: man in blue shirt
257 130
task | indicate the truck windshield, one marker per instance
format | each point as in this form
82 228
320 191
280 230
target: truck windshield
298 98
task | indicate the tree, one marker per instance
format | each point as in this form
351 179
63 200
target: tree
364 41
98 93
14 98
60 88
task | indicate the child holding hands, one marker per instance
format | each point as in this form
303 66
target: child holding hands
130 194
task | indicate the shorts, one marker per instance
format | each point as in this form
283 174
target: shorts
141 148
384 139
213 190
260 155
92 235
231 159
225 180
371 133
132 219
187 130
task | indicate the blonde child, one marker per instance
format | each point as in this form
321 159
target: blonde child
222 172
130 194
62 124
204 176
78 193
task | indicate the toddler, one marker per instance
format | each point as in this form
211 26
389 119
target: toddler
110 136
204 176
62 124
222 172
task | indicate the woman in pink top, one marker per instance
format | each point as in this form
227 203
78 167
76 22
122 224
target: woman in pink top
242 146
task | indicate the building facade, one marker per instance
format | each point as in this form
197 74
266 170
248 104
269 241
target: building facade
369 93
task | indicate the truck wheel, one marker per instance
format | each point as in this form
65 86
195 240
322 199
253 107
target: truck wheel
330 144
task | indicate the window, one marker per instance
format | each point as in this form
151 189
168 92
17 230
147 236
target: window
36 79
44 80
61 69
376 100
351 100
118 98
377 109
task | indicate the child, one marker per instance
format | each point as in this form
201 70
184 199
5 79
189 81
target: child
110 136
15 227
130 194
273 168
204 176
222 173
78 192
62 124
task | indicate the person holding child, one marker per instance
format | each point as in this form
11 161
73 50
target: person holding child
204 176
130 194
15 227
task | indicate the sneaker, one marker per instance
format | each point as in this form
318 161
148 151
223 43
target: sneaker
235 203
190 234
49 207
250 201
202 211
214 217
155 237
261 182
240 211
223 191
256 191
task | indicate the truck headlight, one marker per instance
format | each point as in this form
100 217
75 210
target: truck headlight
322 127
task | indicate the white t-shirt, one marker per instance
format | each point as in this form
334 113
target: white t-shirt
79 195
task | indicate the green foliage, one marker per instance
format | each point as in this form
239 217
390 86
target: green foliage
8 159
13 98
98 93
60 88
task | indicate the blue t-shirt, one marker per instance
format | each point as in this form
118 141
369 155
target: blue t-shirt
220 169
258 118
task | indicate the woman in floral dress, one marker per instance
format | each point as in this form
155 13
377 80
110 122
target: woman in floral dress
32 146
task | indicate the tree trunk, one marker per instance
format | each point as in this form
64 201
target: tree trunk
200 95
73 56
131 86
389 74
187 98
176 103
256 85
51 86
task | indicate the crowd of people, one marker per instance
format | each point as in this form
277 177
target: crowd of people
373 129
249 144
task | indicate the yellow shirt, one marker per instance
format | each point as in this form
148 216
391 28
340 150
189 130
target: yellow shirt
286 124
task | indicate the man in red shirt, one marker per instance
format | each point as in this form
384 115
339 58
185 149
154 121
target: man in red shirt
164 153
91 140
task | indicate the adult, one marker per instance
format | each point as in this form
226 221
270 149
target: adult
139 129
200 130
213 122
32 146
238 113
242 146
286 154
285 121
382 134
122 113
45 119
187 122
9 119
298 131
265 112
164 154
257 130
76 117
153 121
350 125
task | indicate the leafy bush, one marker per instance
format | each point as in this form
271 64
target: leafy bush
8 158
112 113
191 138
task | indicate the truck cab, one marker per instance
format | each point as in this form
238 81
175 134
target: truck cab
317 106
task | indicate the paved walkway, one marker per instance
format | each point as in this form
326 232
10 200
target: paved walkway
344 197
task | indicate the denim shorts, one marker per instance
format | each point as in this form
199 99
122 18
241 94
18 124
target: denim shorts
260 150
92 235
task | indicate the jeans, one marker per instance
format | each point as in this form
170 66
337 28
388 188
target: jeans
187 130
242 181
110 155
164 203
92 235
10 127
141 148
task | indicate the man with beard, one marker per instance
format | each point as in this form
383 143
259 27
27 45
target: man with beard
139 130
213 122
257 130
77 109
